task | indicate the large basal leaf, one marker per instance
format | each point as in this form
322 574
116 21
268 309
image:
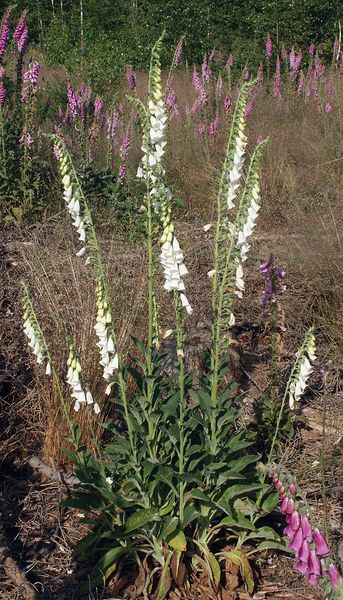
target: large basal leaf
214 566
178 541
189 515
140 518
104 567
240 559
170 525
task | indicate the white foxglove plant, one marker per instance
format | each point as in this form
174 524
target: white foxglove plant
34 333
79 390
152 171
302 369
78 208
297 380
72 192
232 235
104 330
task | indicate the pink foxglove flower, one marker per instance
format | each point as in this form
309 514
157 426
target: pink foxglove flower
334 576
21 34
229 62
5 31
322 548
98 106
248 110
172 104
131 78
277 79
269 47
227 103
178 53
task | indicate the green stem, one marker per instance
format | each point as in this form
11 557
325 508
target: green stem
180 340
2 136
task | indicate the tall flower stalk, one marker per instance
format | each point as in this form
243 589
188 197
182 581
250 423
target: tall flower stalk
110 358
159 208
40 349
231 237
297 381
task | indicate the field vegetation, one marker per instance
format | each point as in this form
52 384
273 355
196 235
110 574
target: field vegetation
171 307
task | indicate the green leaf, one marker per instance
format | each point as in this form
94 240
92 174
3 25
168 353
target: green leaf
105 567
189 515
264 532
140 518
239 522
214 566
178 541
202 398
270 502
170 525
270 545
239 489
85 543
242 462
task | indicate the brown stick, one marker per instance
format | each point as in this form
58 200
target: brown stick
15 574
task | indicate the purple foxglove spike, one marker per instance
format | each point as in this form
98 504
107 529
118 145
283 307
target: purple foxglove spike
131 78
19 29
98 106
294 520
269 47
229 62
213 128
284 54
328 108
301 567
281 491
312 49
278 484
246 74
227 103
314 564
297 542
5 31
122 173
178 53
322 549
334 576
304 553
282 496
313 579
23 41
249 109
